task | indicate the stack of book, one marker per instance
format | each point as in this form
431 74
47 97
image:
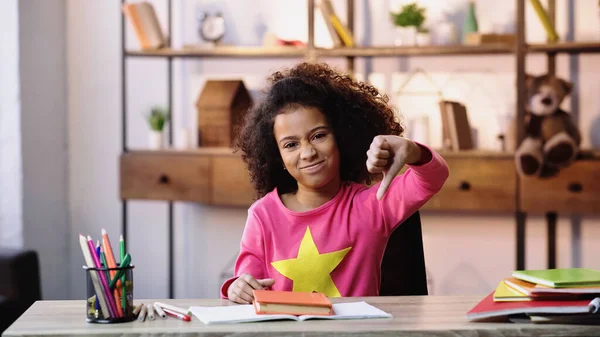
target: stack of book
569 295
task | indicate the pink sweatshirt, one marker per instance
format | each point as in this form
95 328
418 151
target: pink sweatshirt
337 247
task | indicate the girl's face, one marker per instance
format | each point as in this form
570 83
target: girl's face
308 147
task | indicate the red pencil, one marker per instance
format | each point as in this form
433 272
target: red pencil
177 315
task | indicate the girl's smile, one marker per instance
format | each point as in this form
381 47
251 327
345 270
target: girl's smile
313 168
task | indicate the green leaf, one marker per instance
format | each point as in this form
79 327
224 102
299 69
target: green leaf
157 118
409 15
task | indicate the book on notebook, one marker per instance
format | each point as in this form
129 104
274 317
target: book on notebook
536 292
521 286
488 309
560 278
566 319
245 313
504 293
291 303
579 290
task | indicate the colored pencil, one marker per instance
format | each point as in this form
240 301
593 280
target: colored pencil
123 283
172 308
87 255
159 311
110 261
142 314
150 312
137 309
103 261
109 296
178 315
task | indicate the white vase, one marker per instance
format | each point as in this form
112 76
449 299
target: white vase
423 39
405 36
155 140
446 33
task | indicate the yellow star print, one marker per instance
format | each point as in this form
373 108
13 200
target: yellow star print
310 271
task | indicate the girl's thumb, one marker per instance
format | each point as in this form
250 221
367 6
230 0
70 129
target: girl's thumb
267 282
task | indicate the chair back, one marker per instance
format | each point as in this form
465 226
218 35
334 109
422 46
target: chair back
403 265
20 283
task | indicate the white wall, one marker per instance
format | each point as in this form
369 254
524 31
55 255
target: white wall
42 42
465 253
33 148
93 127
11 224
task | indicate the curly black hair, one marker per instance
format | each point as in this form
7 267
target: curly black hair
355 111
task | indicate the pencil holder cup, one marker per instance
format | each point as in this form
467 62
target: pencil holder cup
109 294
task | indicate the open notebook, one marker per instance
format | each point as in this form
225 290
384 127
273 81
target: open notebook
246 313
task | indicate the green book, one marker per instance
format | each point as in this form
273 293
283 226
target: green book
560 278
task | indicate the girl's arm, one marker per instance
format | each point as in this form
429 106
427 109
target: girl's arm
251 257
406 193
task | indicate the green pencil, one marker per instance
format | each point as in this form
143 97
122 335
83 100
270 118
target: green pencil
123 285
121 272
103 259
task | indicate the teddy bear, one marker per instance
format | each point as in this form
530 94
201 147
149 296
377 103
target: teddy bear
551 139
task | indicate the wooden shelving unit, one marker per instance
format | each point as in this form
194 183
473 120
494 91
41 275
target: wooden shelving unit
565 47
222 52
378 51
480 181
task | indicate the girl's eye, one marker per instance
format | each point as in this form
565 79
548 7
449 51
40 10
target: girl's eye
289 145
319 135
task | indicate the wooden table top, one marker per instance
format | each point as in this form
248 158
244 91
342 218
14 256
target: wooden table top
413 316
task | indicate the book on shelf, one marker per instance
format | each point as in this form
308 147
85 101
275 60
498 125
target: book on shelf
145 24
456 128
342 30
477 39
323 13
551 33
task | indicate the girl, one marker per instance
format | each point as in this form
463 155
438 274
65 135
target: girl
312 148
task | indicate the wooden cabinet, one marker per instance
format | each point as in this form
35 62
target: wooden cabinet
231 182
477 184
165 176
576 189
214 176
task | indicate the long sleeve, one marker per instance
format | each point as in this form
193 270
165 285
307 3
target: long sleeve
406 194
251 257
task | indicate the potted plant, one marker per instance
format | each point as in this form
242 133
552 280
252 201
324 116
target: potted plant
157 118
408 23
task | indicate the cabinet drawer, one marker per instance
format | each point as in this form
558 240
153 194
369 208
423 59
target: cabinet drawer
161 176
575 189
477 184
231 182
